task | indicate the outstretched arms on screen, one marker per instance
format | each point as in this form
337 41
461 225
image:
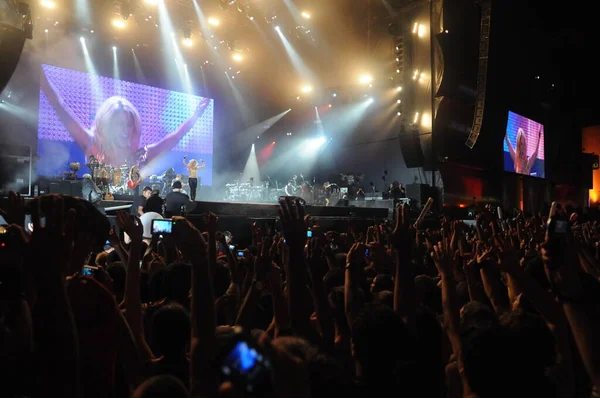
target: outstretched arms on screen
169 141
79 133
534 155
510 148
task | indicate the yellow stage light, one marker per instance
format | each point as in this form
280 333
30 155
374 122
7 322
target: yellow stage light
119 23
48 4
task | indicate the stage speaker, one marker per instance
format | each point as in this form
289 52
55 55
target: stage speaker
90 191
419 193
410 145
588 162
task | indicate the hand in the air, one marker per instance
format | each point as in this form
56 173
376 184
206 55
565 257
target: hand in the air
202 106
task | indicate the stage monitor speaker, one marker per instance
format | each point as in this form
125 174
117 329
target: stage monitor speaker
410 145
90 191
588 160
419 193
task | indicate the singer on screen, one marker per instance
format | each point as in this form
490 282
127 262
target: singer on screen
114 137
522 163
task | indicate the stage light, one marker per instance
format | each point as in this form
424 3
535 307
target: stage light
251 18
305 15
213 21
397 70
277 28
119 23
307 89
330 105
114 48
416 118
45 30
422 31
273 143
48 4
426 121
415 27
237 57
187 42
258 138
399 101
399 113
370 100
92 31
446 31
399 88
312 146
365 79
334 95
82 39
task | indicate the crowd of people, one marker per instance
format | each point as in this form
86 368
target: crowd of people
502 308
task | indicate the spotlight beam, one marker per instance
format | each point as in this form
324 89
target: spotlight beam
89 65
249 135
295 58
168 40
139 73
251 170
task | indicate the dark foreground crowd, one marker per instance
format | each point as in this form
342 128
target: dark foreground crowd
505 308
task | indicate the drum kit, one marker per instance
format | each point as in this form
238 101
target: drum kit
110 180
245 192
251 192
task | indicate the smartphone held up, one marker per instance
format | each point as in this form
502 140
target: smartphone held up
162 226
245 364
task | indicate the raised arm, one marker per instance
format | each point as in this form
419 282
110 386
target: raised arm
510 147
133 301
185 163
204 344
173 138
534 155
79 133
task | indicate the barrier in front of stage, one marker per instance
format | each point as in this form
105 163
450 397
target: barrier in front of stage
267 211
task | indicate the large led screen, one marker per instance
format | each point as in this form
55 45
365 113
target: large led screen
122 124
524 146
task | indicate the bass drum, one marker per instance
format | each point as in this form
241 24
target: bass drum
117 177
103 177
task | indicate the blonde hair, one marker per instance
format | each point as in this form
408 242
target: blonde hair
193 163
521 146
101 126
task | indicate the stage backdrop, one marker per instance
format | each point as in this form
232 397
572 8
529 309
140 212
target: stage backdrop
161 112
534 138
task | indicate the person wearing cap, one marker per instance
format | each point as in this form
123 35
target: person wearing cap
176 201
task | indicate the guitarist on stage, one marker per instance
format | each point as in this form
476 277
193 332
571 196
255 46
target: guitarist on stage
134 180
